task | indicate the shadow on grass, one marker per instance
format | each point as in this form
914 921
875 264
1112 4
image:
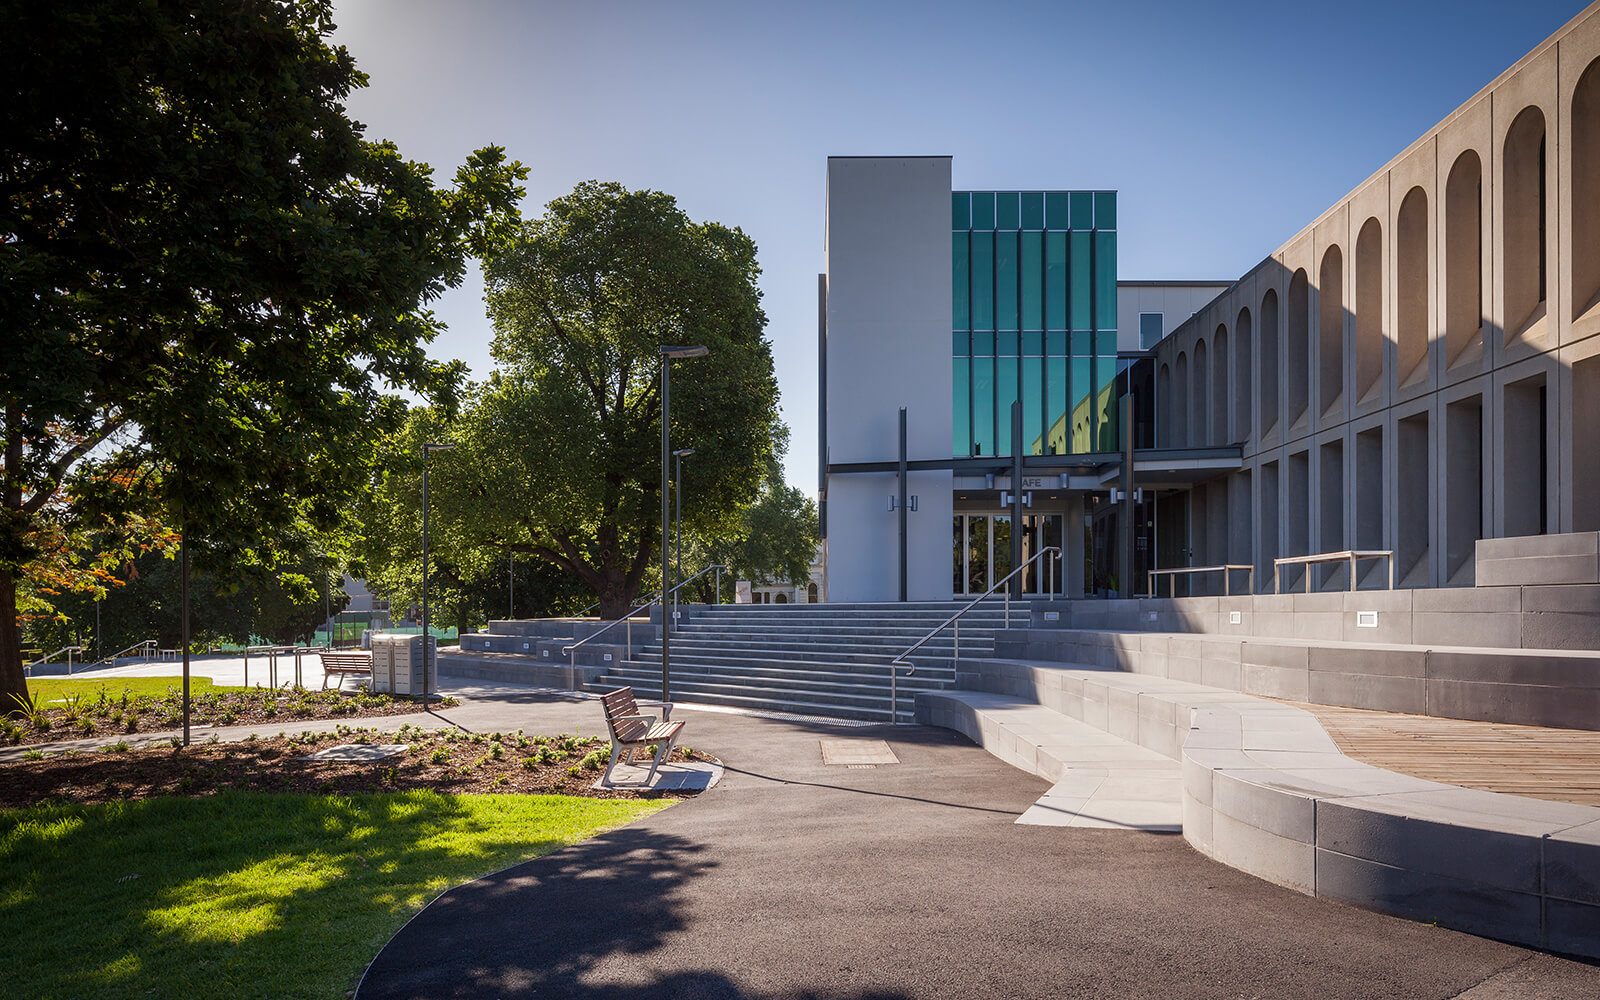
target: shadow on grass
247 894
572 925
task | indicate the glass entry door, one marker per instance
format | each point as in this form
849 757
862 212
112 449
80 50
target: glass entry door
981 552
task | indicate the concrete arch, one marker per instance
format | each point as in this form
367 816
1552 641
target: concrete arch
1584 249
1463 261
1267 370
1241 374
1524 224
1330 330
1412 288
1164 405
1220 433
1369 346
1200 417
1297 387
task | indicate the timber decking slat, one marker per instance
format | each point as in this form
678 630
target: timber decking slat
1562 765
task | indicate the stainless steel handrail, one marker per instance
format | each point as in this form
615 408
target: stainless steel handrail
652 599
1347 555
898 661
146 649
571 651
41 661
1226 569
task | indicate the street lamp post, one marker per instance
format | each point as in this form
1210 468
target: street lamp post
427 449
677 514
667 354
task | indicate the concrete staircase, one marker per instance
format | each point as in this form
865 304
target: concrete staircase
813 659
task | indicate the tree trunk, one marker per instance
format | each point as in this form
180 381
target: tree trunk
13 685
616 598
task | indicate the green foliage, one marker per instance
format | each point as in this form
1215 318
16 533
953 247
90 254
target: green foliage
211 279
559 451
286 896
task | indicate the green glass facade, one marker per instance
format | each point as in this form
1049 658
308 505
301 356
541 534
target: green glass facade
1034 318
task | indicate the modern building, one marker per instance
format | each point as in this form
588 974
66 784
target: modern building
1416 369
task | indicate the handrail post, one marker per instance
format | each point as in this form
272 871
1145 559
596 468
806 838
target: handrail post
894 695
1352 572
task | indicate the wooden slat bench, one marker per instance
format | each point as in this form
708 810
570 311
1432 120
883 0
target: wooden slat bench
345 663
630 730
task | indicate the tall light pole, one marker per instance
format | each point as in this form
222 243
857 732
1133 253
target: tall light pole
667 354
677 513
427 449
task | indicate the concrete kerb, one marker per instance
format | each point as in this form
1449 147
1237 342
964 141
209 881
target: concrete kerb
1265 790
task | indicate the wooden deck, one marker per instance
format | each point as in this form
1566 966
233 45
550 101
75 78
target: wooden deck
1562 765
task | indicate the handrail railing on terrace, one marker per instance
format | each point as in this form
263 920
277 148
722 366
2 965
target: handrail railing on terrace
1348 555
1227 570
146 649
572 650
41 661
717 589
955 620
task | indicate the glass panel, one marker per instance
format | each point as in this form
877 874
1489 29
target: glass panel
1032 210
1079 414
982 343
1055 281
1106 369
1078 296
1082 343
958 553
1105 210
1055 568
1005 393
1032 280
1057 343
1033 344
983 406
1082 209
1005 281
1033 405
1055 210
960 314
982 281
961 407
1106 343
1149 329
960 210
1105 269
1006 215
960 344
1006 343
977 555
1001 531
982 210
1056 393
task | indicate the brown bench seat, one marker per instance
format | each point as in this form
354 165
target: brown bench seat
351 662
630 730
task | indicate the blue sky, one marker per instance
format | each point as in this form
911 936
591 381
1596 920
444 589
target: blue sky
1225 127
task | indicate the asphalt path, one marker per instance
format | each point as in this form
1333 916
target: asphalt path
794 879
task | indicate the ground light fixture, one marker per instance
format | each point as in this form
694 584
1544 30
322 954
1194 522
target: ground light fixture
668 352
427 449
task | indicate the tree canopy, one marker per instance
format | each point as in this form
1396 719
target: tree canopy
211 280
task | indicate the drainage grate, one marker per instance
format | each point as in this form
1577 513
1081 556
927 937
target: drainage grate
861 767
853 752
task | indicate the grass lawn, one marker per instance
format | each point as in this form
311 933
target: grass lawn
248 894
52 689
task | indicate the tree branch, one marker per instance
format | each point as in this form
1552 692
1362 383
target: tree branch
61 466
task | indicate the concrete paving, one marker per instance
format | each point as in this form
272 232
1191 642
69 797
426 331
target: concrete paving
796 879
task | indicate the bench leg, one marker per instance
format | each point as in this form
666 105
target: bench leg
616 748
662 754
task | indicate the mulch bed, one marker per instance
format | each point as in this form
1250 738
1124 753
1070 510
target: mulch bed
448 761
146 714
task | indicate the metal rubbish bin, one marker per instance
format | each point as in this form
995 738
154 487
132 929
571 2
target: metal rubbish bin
397 664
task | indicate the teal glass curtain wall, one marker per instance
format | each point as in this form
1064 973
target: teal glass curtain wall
1034 318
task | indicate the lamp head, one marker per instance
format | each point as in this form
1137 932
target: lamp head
441 446
683 453
678 351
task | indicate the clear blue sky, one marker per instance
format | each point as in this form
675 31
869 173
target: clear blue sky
1225 126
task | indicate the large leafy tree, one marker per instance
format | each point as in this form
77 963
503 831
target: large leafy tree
207 265
568 427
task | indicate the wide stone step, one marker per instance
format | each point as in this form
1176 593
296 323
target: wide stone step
765 672
776 700
777 657
910 634
942 645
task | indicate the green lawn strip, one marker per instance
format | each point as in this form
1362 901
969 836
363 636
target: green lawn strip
51 691
248 894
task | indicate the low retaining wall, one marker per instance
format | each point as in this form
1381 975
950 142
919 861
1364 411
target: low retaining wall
1267 791
1523 687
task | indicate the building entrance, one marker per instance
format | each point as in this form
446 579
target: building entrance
981 553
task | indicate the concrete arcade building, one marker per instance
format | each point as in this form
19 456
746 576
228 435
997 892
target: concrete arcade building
1416 371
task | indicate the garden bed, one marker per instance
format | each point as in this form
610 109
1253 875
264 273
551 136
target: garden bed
443 760
109 712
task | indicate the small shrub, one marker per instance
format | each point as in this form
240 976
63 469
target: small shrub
574 772
33 755
500 782
121 746
531 763
594 760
